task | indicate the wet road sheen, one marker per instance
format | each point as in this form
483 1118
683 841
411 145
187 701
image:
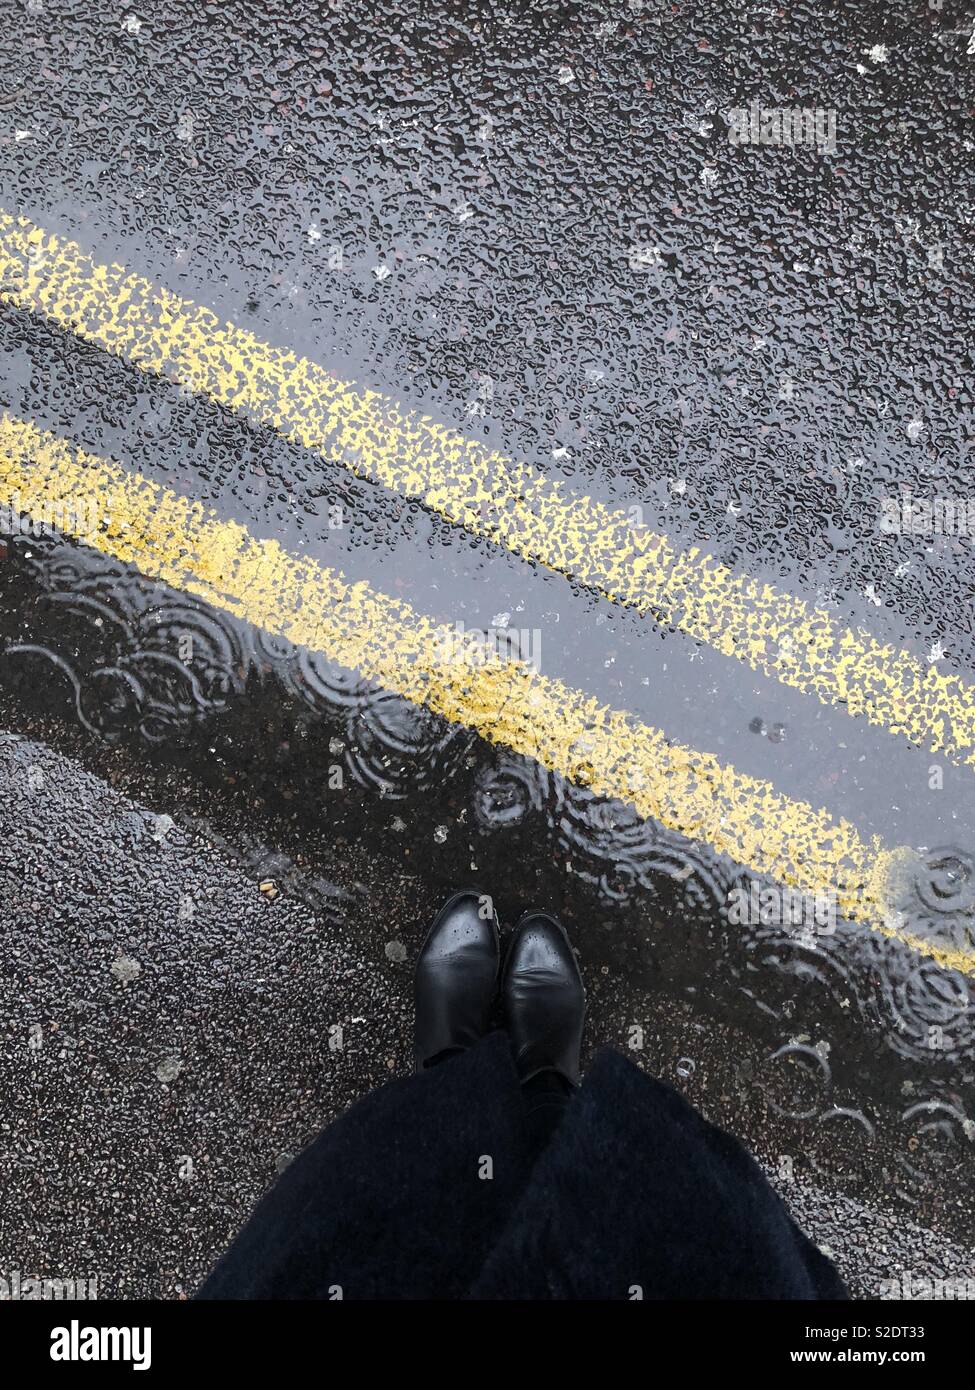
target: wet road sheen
475 321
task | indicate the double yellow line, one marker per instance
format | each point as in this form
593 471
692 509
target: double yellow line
776 633
184 544
189 547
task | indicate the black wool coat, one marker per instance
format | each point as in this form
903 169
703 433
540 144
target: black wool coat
432 1187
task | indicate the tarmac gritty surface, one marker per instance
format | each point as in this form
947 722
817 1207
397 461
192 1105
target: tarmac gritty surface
173 1039
453 460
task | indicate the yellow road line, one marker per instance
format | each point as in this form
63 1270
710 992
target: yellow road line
188 546
512 503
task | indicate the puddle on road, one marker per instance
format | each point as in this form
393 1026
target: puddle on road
868 1047
535 218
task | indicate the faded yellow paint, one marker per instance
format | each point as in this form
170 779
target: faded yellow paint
183 543
511 502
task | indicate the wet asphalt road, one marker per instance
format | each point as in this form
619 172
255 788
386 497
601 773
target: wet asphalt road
530 223
173 1038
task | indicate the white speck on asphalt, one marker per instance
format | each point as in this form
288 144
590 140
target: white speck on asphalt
169 1068
126 969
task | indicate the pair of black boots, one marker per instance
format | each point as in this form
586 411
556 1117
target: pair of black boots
459 978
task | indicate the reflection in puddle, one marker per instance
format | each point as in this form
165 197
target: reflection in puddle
139 665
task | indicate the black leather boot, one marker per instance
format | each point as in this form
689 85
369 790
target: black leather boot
544 999
456 979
